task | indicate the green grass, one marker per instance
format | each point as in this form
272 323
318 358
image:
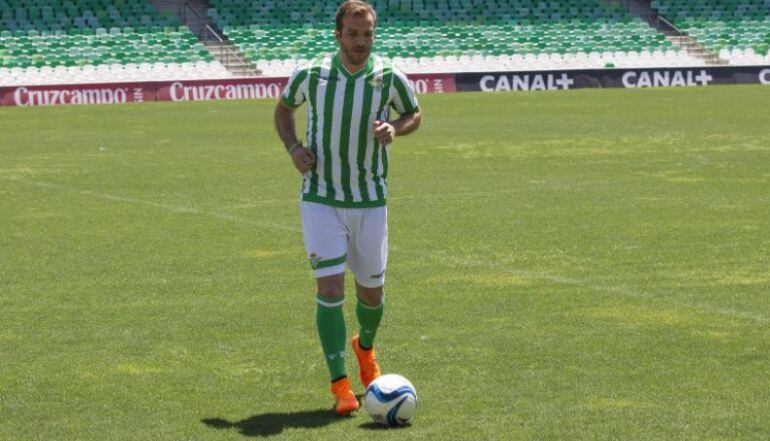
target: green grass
591 264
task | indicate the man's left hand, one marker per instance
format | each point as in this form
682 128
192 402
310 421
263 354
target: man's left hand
384 132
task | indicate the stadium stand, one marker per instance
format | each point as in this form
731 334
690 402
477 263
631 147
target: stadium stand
739 30
69 41
455 35
55 41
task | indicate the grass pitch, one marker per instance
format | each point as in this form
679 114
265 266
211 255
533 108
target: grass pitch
591 264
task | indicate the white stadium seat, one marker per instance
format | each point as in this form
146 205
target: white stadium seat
113 73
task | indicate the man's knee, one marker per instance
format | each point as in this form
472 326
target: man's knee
370 296
332 287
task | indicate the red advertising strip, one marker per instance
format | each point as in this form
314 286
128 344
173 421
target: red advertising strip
118 93
215 90
112 93
432 83
199 90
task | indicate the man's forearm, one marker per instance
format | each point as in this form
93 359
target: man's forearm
285 126
407 123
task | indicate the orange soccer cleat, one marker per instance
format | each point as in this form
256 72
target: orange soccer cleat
368 369
346 399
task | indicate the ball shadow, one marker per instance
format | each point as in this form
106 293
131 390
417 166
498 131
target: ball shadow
377 426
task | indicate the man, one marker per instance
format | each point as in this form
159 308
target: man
344 171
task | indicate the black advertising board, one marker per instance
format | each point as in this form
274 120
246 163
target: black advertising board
601 78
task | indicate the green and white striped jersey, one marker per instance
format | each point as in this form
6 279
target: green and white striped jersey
351 169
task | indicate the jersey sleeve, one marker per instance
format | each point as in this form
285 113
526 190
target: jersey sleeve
296 89
404 98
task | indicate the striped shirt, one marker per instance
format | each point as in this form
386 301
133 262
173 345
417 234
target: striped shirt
351 168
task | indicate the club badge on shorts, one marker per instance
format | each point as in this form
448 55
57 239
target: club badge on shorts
314 260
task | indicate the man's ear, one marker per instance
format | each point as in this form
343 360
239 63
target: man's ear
337 35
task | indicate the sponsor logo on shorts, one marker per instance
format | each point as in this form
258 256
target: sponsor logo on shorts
378 276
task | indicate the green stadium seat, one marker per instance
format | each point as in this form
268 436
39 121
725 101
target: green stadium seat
438 27
100 27
721 24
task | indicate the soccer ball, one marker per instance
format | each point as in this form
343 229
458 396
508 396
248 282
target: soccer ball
390 400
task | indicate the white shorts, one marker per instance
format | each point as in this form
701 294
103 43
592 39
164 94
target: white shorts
357 236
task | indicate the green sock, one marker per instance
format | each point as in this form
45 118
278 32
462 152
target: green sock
331 329
369 318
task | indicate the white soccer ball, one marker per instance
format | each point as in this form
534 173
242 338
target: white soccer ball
390 400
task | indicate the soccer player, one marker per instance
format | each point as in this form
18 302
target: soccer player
344 171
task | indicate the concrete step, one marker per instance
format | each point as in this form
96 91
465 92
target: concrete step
231 58
643 10
193 14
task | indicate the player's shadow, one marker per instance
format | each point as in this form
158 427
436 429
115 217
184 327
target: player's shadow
268 424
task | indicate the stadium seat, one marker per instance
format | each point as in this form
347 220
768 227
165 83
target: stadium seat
63 40
738 30
412 30
40 36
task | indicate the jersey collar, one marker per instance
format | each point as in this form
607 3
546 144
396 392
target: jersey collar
341 67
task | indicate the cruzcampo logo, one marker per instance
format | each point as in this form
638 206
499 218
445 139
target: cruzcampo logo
314 260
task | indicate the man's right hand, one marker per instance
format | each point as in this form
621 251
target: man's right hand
303 158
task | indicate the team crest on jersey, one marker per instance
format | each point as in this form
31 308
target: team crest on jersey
314 260
377 83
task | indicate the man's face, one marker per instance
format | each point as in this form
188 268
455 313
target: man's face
356 37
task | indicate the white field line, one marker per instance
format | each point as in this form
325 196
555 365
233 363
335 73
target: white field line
618 289
166 207
442 256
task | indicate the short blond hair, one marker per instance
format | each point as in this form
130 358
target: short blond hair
354 7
